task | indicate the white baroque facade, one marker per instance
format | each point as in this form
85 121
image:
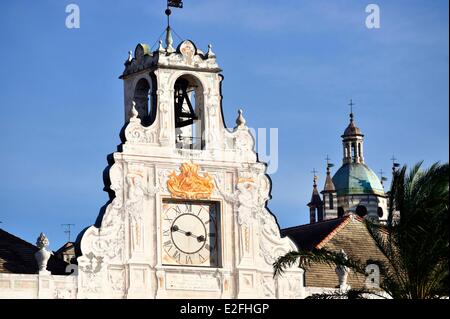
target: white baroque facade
187 215
127 255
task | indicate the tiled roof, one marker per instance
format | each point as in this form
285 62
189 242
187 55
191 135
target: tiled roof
17 257
329 185
310 235
67 246
348 233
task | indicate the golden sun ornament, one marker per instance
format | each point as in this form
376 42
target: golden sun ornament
189 184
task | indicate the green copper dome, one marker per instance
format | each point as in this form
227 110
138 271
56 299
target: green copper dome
357 179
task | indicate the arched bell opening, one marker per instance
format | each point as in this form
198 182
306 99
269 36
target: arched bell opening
145 99
189 113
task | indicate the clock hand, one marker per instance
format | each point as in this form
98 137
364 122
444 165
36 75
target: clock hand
188 233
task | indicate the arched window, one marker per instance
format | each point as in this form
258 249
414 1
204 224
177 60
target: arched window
361 211
188 104
354 152
341 212
380 212
330 199
144 97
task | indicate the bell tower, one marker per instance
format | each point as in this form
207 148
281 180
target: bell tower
352 141
187 214
171 88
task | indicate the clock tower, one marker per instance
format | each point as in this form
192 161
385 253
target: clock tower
187 216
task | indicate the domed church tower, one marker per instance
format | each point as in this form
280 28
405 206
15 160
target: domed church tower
357 187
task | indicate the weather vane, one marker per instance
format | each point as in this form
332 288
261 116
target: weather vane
329 164
394 163
173 4
382 178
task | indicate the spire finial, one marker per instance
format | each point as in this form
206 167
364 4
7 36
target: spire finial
315 178
351 104
130 57
240 121
160 48
169 40
210 53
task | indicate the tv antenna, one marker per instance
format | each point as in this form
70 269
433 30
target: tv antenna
68 230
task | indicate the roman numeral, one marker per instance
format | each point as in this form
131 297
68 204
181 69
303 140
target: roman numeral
201 258
177 255
177 210
199 211
167 243
166 232
188 260
207 247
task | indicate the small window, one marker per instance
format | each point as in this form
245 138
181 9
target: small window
330 198
340 212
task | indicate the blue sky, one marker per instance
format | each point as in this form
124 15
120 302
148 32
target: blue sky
291 65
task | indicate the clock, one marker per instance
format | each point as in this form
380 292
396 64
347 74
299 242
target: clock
189 233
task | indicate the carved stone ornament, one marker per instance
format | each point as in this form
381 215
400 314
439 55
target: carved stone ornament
189 184
188 50
42 255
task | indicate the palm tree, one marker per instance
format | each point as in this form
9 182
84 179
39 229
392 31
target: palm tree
414 242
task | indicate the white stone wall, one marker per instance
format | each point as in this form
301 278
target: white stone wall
17 286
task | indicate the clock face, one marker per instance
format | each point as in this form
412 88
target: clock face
189 233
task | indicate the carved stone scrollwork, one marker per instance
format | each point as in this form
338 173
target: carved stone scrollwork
105 244
243 140
116 278
135 133
89 266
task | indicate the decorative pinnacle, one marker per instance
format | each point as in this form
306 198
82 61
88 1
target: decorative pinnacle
169 41
130 57
240 121
42 241
160 48
210 53
133 112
